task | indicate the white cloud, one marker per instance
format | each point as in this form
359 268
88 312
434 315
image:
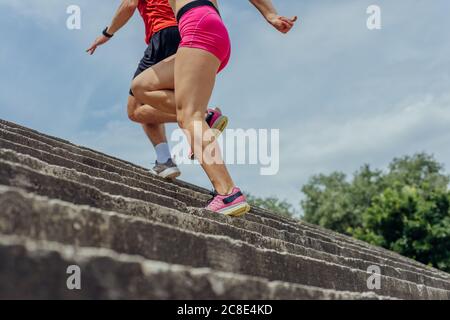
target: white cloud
356 136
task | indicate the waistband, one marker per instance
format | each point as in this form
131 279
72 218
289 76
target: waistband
195 4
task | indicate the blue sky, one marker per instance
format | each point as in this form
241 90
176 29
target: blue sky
340 94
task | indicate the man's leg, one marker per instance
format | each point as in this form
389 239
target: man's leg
155 87
145 114
156 133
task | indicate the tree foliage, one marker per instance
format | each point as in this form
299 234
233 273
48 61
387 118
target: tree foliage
406 209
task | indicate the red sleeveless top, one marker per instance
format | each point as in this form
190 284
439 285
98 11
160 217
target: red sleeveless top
157 15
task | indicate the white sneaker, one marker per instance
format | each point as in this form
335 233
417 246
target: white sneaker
168 170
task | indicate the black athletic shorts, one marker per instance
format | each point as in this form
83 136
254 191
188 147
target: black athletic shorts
163 44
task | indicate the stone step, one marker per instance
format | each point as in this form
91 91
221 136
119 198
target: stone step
92 155
114 204
67 223
296 245
72 176
62 157
98 159
199 193
38 270
77 226
190 199
347 242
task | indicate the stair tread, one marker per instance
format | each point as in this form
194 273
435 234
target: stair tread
156 241
269 217
57 220
66 202
53 170
147 279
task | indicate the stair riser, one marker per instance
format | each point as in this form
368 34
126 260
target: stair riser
156 242
71 191
328 236
81 168
39 150
281 223
91 155
42 275
37 219
84 194
122 190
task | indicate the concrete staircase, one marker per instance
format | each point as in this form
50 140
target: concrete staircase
135 236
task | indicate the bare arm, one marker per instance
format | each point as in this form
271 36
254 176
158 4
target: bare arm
122 16
269 12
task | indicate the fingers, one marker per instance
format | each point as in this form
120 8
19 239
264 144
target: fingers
98 42
92 49
285 27
287 21
282 25
287 24
290 21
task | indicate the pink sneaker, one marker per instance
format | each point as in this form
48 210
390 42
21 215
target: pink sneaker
216 120
232 205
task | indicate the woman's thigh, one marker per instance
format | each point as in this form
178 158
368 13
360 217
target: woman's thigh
195 75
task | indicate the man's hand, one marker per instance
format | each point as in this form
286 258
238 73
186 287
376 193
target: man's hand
282 24
98 42
123 14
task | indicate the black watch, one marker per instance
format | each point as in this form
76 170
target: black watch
106 34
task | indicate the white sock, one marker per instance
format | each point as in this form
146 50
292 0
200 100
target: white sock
162 153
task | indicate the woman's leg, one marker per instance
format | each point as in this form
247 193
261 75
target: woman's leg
195 74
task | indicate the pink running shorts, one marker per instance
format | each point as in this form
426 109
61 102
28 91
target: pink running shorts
201 27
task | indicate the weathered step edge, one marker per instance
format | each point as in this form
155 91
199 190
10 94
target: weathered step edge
69 173
38 270
54 220
64 158
91 153
259 211
225 254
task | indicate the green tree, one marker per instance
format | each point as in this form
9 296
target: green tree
405 209
275 205
412 223
337 204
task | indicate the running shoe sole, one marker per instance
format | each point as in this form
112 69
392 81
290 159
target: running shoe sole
236 211
170 173
220 124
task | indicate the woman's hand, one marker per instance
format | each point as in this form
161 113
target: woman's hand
282 24
98 42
